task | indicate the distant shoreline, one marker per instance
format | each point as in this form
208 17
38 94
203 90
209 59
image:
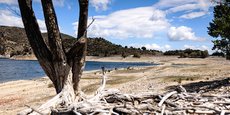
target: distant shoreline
115 58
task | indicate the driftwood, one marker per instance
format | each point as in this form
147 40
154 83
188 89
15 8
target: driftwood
112 101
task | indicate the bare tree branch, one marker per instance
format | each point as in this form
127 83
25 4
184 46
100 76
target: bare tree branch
14 10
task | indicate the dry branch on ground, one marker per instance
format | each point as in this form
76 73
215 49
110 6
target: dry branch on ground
112 101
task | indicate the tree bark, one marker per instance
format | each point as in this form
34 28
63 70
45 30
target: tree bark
61 68
57 64
83 18
78 51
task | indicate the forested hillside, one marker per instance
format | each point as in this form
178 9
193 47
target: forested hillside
13 41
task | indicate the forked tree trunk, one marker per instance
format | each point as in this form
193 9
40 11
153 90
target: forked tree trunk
63 68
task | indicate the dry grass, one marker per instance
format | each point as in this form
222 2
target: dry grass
120 79
180 79
112 81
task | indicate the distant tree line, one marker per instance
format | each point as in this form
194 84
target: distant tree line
99 46
188 53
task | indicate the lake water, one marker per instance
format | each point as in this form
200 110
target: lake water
23 69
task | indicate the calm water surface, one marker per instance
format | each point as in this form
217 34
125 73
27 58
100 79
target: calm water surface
23 69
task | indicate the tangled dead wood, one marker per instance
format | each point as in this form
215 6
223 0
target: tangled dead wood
112 101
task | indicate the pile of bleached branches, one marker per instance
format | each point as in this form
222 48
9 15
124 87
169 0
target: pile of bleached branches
112 101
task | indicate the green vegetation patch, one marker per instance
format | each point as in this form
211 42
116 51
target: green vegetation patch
188 53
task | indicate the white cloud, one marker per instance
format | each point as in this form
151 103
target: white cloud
152 46
59 3
100 4
190 8
182 8
167 46
183 33
205 4
190 47
9 19
42 25
180 5
172 3
9 2
15 2
193 15
142 22
158 47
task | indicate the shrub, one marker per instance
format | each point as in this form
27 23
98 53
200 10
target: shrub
204 54
136 55
183 55
124 55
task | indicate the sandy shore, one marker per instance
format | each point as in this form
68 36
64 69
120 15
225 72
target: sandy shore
171 71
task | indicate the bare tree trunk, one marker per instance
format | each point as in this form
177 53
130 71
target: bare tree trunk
63 68
80 59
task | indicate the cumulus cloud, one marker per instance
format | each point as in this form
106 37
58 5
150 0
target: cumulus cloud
183 33
152 46
193 15
9 19
158 47
142 22
100 4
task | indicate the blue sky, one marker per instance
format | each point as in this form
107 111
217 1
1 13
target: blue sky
155 24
